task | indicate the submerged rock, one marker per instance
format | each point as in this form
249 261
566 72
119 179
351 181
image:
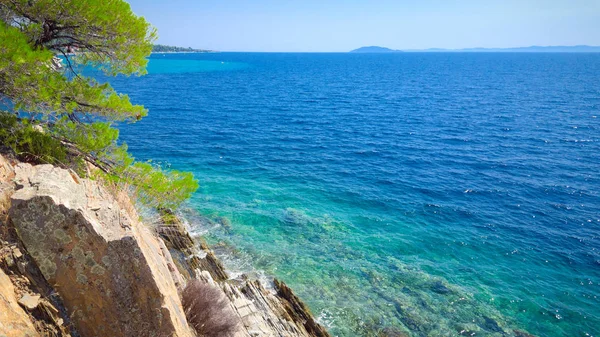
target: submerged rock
490 324
440 288
110 271
519 333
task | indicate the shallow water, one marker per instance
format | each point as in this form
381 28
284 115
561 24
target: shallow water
435 194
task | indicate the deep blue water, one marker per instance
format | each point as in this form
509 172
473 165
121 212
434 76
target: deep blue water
430 194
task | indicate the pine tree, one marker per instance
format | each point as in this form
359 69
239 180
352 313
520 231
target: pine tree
52 109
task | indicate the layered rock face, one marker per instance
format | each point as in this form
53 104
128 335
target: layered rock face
110 271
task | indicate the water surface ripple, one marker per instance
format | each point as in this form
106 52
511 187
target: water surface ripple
430 194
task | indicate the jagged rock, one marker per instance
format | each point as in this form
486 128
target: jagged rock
14 321
174 233
262 312
213 265
110 271
30 302
299 311
179 241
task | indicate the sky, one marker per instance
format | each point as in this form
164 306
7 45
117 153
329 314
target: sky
343 25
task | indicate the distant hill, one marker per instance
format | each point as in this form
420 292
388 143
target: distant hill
159 48
375 49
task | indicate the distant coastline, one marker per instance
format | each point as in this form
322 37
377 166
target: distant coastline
185 52
163 49
531 49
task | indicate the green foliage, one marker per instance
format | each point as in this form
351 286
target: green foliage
95 138
29 143
105 35
162 188
153 185
29 79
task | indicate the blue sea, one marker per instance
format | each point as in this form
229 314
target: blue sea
450 194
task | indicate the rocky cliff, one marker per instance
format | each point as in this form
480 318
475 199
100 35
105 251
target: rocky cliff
77 261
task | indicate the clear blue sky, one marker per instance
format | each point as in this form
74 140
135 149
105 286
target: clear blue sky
342 25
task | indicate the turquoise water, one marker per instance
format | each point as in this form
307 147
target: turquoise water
429 194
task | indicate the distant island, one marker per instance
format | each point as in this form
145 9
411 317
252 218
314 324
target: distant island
160 48
375 49
532 49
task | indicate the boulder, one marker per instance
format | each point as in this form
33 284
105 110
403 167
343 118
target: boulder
14 321
111 272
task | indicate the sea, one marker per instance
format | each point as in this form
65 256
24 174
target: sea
405 194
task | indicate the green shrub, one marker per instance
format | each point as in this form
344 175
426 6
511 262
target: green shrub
29 143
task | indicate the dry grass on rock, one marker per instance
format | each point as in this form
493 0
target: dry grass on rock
208 310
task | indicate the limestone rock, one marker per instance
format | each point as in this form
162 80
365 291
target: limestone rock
14 321
266 314
110 271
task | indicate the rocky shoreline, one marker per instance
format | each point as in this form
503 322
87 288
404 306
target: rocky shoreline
75 260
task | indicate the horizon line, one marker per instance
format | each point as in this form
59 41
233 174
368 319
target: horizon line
430 49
